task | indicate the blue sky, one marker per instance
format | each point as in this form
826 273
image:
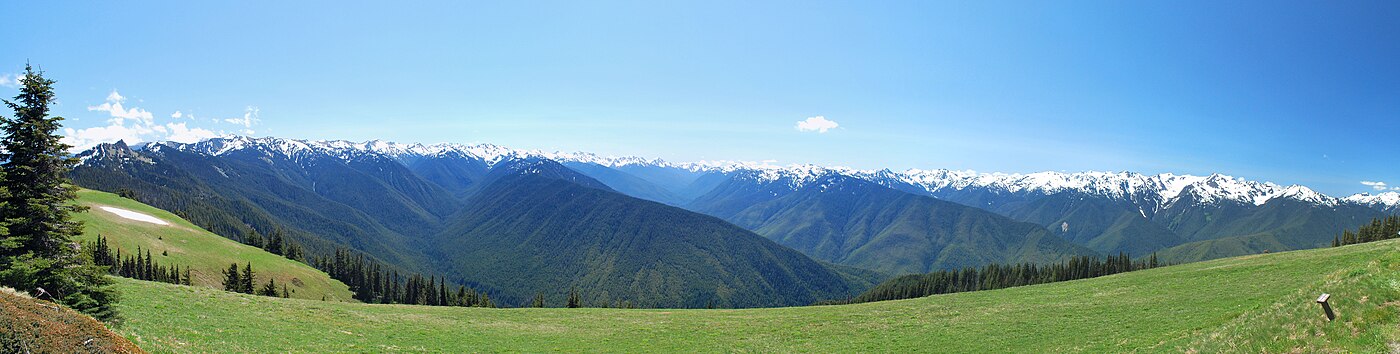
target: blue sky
1289 92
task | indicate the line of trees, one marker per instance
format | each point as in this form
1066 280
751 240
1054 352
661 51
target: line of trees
1379 229
242 282
998 276
38 253
574 300
373 282
276 243
137 266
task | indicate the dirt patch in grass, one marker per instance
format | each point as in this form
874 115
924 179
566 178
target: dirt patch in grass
36 326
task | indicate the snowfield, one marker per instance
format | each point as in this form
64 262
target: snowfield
142 217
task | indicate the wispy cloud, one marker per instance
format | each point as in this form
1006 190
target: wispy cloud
133 125
817 124
1380 186
249 119
11 80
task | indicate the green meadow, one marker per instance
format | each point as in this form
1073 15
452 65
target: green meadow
1262 303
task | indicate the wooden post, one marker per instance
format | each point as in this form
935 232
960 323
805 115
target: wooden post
1326 307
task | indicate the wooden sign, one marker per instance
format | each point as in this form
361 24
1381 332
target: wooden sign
1327 308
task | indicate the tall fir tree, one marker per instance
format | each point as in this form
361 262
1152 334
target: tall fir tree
37 250
295 252
253 238
574 301
269 289
275 243
232 280
247 285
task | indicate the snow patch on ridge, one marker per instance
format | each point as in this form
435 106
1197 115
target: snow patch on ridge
1387 200
134 215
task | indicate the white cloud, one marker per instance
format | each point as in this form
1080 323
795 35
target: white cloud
250 117
11 80
83 139
135 125
817 124
181 134
120 114
1380 186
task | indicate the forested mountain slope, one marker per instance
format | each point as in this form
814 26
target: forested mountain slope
483 232
259 189
854 222
545 229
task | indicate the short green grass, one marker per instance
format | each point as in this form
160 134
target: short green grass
1248 304
187 245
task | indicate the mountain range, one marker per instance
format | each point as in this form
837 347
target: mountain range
484 214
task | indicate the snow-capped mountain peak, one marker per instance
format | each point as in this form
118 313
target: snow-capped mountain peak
1154 191
1387 200
1151 192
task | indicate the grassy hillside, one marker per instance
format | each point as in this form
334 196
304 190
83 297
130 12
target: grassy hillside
1246 304
189 246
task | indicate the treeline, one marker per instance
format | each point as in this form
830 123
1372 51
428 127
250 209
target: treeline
276 243
243 282
998 276
137 266
373 282
1379 229
574 300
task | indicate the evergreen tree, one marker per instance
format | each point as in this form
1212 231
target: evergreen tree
253 238
295 252
538 301
247 285
150 267
275 243
486 301
442 293
574 301
270 289
232 281
36 202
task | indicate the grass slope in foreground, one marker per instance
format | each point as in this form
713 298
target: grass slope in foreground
1246 304
205 253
